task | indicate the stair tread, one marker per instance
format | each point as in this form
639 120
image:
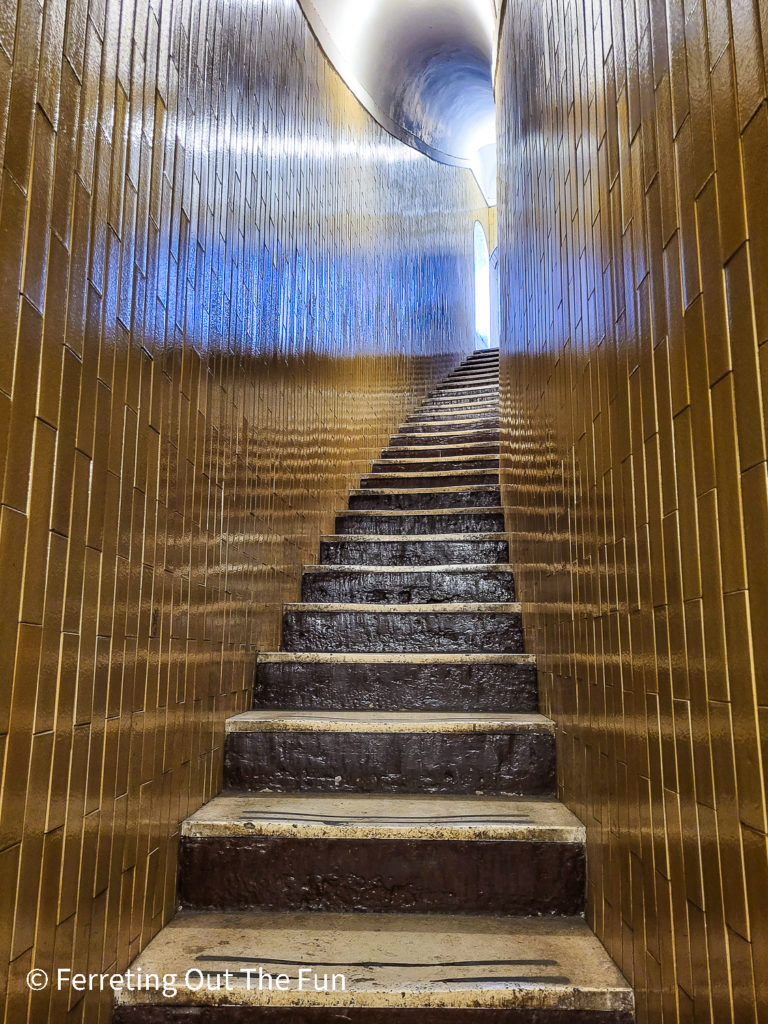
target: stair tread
454 487
459 510
445 433
421 537
389 960
454 421
394 658
455 567
385 816
437 459
458 444
386 721
447 607
431 472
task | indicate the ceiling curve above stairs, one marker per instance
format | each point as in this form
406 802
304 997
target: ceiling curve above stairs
423 69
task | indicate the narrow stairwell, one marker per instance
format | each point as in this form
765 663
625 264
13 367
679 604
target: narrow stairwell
389 813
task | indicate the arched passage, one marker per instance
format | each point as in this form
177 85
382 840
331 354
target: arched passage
482 288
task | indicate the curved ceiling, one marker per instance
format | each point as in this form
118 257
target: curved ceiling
423 69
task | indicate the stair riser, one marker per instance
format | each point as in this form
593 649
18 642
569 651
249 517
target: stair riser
374 686
410 480
516 764
448 425
458 522
438 452
435 465
463 437
481 374
482 497
413 552
441 411
480 410
391 875
451 389
398 632
407 588
239 1014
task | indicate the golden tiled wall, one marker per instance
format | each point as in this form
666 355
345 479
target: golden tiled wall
634 243
221 285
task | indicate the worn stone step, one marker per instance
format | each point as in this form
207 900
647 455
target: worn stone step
441 437
423 497
489 370
450 425
427 478
452 389
482 378
413 549
367 852
415 584
431 450
462 408
467 627
386 752
396 521
396 682
377 968
434 464
438 410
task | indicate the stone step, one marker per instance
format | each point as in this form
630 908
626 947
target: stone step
467 627
396 521
490 373
427 478
438 451
440 437
404 465
412 549
417 584
423 497
500 683
377 968
386 752
450 425
367 852
438 410
453 389
481 378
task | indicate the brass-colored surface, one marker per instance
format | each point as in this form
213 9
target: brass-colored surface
634 233
222 286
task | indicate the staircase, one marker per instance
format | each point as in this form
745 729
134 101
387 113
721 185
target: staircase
389 814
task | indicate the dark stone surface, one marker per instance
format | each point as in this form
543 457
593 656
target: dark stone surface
472 497
482 397
436 451
421 632
361 587
283 873
409 480
321 686
458 422
450 387
359 1015
428 551
518 763
436 465
455 438
449 522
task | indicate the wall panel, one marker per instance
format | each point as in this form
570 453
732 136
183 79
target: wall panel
221 286
633 233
